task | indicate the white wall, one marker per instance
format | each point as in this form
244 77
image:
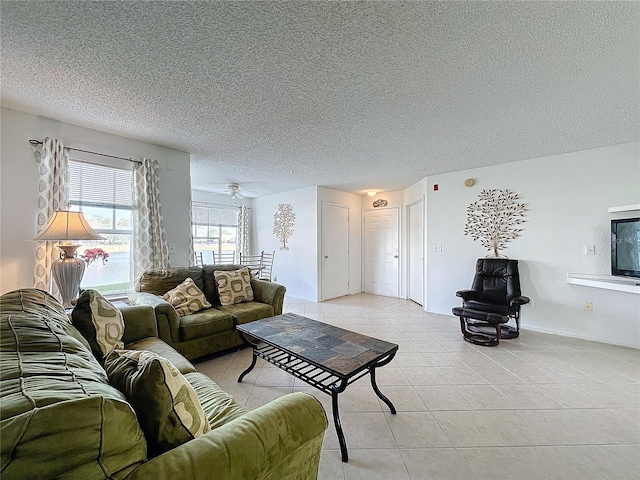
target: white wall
568 197
354 204
299 267
296 268
19 182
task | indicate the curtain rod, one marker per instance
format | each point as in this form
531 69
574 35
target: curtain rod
38 142
206 204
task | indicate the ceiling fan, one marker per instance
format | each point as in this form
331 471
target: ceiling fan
235 191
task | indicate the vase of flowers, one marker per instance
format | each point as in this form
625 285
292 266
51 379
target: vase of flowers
92 254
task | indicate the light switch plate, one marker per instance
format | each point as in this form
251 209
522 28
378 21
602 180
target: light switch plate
589 249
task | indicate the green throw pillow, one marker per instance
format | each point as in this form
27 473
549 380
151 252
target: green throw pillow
187 298
99 322
234 286
167 406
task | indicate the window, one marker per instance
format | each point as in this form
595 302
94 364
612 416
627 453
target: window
215 230
104 194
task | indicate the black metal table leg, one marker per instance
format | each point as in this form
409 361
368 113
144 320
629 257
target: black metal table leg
372 371
253 357
253 364
336 420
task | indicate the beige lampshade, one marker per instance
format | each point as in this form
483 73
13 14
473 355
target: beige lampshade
66 225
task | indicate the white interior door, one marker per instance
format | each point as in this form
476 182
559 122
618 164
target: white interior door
335 251
381 254
415 260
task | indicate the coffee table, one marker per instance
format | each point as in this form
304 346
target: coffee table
326 357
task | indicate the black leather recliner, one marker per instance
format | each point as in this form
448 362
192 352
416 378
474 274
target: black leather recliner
494 299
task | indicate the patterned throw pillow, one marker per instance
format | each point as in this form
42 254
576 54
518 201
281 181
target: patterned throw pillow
166 404
187 298
99 322
234 286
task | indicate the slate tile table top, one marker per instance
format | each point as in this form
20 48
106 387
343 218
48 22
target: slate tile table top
327 357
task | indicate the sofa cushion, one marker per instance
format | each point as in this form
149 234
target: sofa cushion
157 346
204 323
160 282
248 311
187 298
56 399
234 286
218 405
75 435
210 289
166 404
99 322
40 306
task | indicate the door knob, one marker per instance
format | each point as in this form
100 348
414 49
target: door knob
326 256
395 256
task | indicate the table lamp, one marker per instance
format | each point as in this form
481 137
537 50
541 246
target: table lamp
68 270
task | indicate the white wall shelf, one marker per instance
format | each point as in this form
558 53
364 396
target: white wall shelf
625 208
608 282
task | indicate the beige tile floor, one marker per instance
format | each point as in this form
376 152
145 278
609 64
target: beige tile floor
536 407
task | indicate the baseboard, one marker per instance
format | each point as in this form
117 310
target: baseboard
314 300
579 337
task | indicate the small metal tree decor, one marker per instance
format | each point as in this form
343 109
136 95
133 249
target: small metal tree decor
283 222
494 219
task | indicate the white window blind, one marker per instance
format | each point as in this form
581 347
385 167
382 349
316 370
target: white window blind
215 216
99 186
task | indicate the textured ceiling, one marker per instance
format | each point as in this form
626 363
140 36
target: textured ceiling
283 95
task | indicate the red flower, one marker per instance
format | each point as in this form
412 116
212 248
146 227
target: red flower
93 254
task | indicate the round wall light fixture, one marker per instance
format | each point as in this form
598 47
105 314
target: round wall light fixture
371 193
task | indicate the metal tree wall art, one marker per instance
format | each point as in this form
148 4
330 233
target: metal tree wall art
283 222
494 219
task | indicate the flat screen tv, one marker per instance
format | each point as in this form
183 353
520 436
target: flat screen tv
625 247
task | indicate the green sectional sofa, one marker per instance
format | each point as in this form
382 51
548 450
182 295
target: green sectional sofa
61 418
210 330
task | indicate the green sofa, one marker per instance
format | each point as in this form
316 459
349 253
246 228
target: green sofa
210 330
60 417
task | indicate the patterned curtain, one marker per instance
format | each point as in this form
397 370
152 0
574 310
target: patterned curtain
150 247
243 242
52 195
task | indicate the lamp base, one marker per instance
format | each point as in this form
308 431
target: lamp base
68 272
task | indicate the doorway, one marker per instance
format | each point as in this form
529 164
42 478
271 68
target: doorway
415 252
335 251
381 252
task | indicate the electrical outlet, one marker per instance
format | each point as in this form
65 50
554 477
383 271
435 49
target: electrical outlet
437 248
588 306
172 250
